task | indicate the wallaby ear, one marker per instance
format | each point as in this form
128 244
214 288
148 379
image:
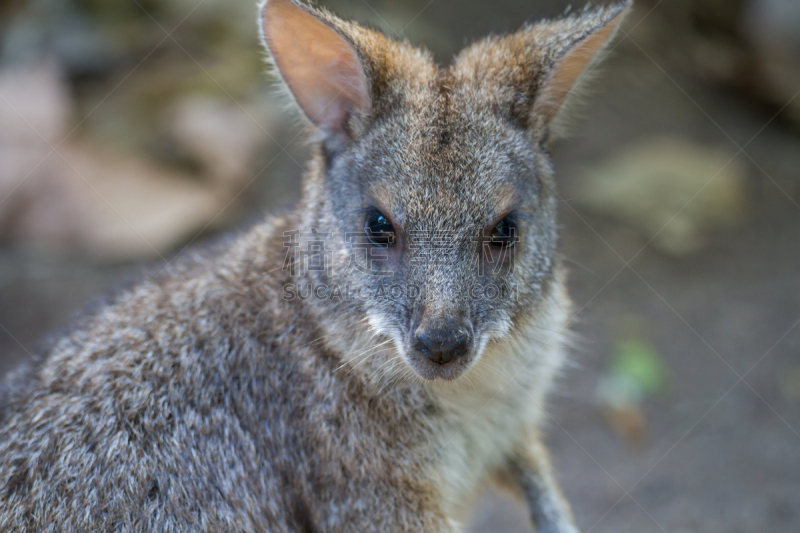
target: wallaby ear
575 63
532 74
320 66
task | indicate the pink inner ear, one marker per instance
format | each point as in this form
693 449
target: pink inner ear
321 68
568 70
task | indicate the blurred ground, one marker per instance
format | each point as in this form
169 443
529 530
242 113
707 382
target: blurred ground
682 411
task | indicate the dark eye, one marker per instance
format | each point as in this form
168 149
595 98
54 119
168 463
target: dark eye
379 230
504 234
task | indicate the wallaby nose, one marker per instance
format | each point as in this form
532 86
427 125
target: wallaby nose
443 341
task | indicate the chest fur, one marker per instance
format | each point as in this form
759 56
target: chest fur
481 424
491 411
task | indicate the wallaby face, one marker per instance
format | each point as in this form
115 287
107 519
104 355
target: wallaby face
438 179
468 209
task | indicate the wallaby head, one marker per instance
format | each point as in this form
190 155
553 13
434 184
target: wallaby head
432 185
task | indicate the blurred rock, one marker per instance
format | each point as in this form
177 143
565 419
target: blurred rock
34 109
22 168
669 190
83 198
113 207
35 105
146 103
139 59
751 47
64 31
224 138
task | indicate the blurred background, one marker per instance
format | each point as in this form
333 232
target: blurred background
130 129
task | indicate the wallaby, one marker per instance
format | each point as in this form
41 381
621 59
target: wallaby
368 361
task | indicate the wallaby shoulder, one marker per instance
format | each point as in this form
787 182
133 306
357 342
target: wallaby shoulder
203 386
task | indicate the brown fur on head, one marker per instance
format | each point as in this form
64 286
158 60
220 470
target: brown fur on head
445 155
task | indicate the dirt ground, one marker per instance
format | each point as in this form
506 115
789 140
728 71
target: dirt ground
721 445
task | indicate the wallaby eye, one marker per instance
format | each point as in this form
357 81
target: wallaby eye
504 234
379 230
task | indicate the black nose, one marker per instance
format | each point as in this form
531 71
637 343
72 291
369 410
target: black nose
443 341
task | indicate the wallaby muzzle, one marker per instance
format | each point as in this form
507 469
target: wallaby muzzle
442 340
